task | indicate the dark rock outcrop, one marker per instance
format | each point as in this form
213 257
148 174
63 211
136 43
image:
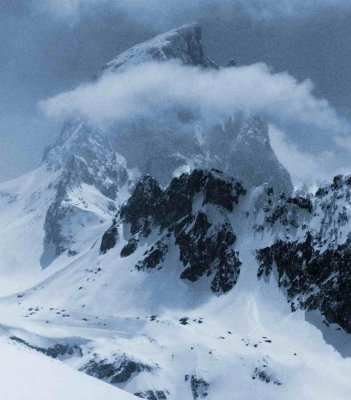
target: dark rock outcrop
204 251
149 203
183 43
152 395
199 387
116 371
313 279
85 157
129 248
109 239
178 214
60 351
154 256
265 376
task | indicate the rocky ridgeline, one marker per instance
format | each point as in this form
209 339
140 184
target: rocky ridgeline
312 253
83 157
192 214
183 44
311 250
312 279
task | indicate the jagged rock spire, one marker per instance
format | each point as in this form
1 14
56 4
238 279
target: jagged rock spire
183 43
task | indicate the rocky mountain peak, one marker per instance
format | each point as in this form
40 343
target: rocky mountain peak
183 43
192 214
111 161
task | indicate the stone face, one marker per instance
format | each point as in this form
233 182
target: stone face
265 376
311 253
241 148
313 279
199 387
152 395
143 204
167 207
178 214
109 239
59 351
84 157
129 248
184 44
154 256
114 371
239 145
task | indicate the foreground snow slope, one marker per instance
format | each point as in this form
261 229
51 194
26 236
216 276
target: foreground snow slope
23 204
242 345
28 375
158 336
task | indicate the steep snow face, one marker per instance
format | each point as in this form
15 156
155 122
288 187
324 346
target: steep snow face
184 44
23 203
91 182
85 155
309 235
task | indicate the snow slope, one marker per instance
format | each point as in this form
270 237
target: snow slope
28 375
160 336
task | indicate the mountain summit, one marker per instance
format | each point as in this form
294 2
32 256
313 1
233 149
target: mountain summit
184 44
110 161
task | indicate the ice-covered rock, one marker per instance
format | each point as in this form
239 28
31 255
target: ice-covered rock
109 160
192 213
184 44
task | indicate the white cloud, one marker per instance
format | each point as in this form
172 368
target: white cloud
157 89
305 167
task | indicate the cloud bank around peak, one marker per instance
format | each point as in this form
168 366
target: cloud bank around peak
157 89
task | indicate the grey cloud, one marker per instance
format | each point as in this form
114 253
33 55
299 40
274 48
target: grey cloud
212 95
47 48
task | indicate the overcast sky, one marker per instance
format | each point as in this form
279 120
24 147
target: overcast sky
50 46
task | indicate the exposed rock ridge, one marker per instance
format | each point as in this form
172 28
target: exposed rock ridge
84 157
312 251
192 213
184 44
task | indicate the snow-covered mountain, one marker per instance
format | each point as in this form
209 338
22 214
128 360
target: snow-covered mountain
178 264
184 44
